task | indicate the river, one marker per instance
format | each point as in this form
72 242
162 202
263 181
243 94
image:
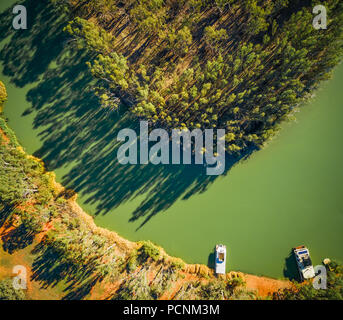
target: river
288 194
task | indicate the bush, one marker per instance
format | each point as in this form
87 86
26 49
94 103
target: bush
306 291
7 292
177 264
3 94
132 261
148 250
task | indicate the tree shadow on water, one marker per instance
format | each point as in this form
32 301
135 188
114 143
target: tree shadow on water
76 131
29 52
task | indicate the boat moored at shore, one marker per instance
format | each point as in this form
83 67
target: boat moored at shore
220 259
304 263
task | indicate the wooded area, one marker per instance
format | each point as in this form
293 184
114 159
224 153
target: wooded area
243 66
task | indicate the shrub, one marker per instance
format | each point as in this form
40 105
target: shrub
177 264
306 291
132 261
7 292
148 250
3 94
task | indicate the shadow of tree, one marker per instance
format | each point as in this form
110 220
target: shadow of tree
29 52
76 131
17 239
5 213
13 238
81 291
50 268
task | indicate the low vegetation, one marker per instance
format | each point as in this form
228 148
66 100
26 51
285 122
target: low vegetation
214 290
306 291
3 94
7 291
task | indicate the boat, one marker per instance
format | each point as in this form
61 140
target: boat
304 263
220 259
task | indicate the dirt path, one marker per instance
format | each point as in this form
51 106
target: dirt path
265 286
6 140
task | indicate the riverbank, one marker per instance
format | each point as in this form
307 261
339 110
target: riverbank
262 286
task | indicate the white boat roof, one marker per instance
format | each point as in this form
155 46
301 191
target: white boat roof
220 265
309 272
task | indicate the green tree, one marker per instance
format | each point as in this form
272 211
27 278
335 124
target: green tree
3 94
214 37
180 41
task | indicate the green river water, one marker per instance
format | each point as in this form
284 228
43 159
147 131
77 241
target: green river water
286 195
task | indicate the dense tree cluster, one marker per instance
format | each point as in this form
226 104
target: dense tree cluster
243 66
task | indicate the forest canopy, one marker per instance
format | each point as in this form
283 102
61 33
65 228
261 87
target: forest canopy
242 66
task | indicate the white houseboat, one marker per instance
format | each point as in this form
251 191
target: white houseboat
305 267
220 259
